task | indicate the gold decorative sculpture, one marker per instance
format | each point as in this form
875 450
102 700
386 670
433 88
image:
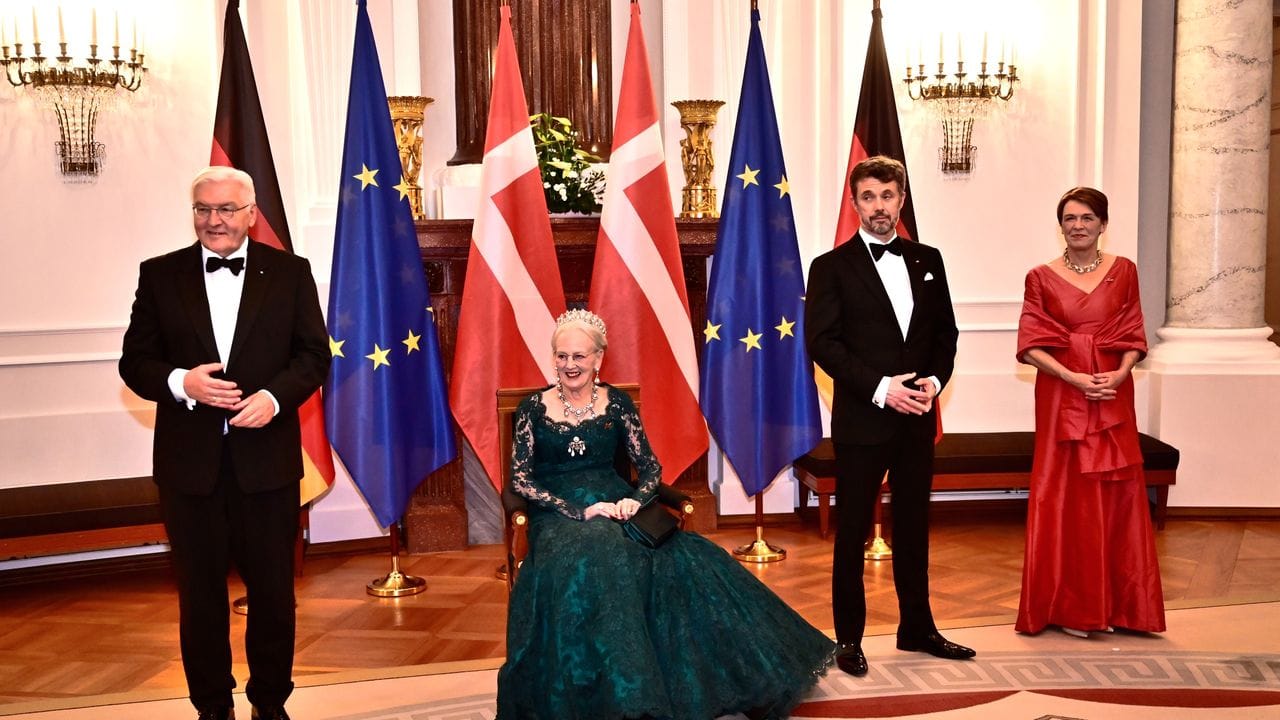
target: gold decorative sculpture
697 117
406 117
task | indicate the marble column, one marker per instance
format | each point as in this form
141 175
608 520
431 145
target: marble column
1214 377
1218 200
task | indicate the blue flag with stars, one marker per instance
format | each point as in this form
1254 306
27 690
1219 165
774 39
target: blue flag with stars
757 380
385 402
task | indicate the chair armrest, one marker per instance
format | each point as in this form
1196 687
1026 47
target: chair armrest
675 499
513 502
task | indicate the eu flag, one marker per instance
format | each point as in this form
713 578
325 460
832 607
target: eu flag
386 405
757 380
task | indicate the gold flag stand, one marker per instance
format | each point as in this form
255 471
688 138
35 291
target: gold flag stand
760 551
395 583
877 548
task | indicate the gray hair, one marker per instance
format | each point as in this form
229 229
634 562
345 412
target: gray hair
592 329
223 173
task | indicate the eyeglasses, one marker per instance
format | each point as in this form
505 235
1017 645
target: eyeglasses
226 212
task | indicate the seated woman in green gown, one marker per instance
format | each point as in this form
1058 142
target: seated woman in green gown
601 626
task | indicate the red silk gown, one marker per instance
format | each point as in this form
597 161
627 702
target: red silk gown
1090 555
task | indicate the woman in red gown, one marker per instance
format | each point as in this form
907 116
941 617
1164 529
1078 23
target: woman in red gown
1091 557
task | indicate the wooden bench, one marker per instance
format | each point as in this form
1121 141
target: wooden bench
43 520
76 517
980 461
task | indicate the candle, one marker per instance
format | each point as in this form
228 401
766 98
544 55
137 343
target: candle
939 48
35 27
93 27
959 48
4 37
17 36
117 44
1001 50
984 46
135 33
62 34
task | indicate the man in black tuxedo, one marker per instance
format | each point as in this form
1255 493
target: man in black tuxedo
227 338
878 320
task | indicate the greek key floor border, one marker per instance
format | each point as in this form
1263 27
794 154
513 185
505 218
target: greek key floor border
1008 671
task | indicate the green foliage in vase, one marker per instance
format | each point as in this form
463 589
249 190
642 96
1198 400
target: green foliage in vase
568 180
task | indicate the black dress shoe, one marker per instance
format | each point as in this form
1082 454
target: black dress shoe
936 645
269 713
216 713
852 661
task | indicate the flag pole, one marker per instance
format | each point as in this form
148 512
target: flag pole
760 551
877 548
395 583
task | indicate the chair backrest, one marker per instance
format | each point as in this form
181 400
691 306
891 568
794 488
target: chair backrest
510 398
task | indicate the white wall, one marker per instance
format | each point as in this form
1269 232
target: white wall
71 251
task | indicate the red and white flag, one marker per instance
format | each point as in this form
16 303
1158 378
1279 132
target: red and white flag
637 284
512 293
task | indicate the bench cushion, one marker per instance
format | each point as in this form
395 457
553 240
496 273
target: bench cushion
74 507
991 452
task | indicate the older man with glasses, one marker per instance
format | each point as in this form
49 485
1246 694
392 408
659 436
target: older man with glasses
227 338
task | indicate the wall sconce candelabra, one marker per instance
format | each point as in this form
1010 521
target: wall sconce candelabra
959 99
77 87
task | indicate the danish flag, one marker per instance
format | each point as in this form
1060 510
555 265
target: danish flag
512 292
637 283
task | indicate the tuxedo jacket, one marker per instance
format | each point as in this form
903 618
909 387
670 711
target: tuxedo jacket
853 335
280 344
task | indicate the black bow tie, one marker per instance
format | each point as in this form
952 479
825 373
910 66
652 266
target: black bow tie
878 249
235 265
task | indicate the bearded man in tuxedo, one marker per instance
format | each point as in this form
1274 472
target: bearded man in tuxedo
227 338
879 321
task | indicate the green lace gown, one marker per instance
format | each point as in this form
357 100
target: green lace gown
601 627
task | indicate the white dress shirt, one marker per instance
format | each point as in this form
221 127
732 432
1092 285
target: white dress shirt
223 288
892 270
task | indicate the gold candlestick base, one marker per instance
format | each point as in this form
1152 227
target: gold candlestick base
396 583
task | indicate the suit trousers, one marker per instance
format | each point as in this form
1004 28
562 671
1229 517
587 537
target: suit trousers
257 532
908 458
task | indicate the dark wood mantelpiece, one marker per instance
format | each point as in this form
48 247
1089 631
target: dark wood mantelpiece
436 519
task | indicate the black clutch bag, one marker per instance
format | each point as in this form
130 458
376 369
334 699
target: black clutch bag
652 525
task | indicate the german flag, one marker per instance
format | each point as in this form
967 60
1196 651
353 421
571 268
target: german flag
875 132
240 141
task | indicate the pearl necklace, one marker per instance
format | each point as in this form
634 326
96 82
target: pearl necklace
588 409
1082 269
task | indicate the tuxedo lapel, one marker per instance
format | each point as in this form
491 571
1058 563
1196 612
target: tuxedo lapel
257 275
915 272
195 299
864 268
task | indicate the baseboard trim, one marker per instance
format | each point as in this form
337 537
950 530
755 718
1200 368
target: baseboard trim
957 511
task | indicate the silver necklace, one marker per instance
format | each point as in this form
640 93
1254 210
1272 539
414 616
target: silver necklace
1082 269
589 409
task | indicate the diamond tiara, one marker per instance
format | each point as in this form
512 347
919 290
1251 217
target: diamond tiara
584 316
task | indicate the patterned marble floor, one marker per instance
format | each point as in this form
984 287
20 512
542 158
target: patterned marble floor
1217 662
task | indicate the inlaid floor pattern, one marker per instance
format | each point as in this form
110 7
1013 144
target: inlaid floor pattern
119 633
